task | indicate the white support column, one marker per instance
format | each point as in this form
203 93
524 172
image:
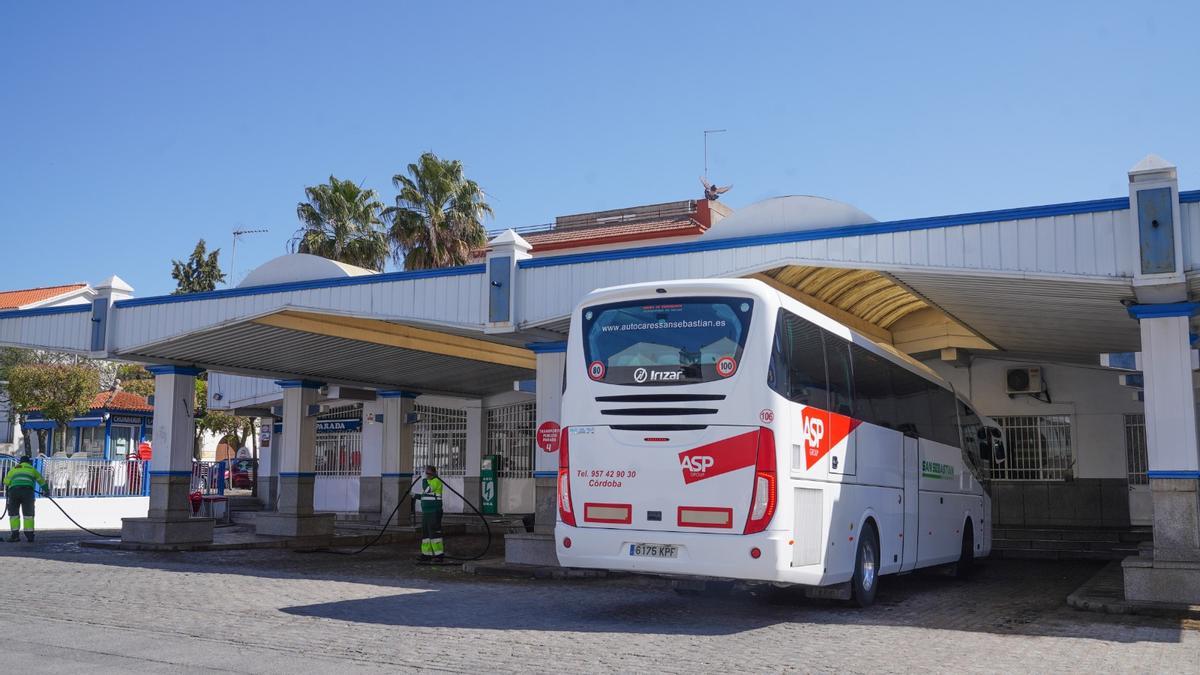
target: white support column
294 516
268 466
169 518
1170 397
398 451
551 361
476 448
372 457
537 548
1172 573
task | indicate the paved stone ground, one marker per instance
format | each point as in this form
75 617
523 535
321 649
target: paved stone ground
285 612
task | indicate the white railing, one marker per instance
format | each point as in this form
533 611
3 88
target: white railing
440 439
339 454
510 432
1136 460
90 477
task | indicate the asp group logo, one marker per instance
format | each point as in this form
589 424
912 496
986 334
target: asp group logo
821 431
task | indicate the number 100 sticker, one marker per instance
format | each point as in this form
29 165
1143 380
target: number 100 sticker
726 366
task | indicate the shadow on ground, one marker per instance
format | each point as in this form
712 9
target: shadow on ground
1006 597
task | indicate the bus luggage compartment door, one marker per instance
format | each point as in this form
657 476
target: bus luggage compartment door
912 478
698 480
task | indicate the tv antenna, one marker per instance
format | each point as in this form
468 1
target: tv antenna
237 234
706 133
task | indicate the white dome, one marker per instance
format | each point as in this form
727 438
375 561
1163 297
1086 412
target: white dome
300 267
794 213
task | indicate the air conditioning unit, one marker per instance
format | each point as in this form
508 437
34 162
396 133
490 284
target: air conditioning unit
1027 380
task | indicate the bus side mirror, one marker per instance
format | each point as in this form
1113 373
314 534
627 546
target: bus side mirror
999 452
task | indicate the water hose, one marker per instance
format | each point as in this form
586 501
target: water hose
64 512
487 526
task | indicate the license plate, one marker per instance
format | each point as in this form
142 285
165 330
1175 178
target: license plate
654 550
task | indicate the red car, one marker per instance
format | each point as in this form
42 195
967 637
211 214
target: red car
242 472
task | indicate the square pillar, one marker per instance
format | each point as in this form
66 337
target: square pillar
1172 573
551 362
169 518
268 464
369 485
476 449
397 468
294 516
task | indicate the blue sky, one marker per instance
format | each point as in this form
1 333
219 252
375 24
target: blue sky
129 130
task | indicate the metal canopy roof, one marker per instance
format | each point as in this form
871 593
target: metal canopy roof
1071 321
257 347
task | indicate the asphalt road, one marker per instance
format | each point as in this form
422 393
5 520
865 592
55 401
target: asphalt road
73 609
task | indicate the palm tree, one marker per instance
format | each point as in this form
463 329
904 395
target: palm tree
341 221
436 221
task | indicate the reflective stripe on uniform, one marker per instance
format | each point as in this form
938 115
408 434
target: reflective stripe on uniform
23 475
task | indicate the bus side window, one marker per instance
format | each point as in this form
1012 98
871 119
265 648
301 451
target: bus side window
872 389
945 416
837 361
913 405
798 362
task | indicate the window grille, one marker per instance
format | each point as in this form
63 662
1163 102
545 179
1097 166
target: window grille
1136 458
339 453
440 439
1039 448
510 431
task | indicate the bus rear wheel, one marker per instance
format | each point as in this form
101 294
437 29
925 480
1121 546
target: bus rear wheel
865 582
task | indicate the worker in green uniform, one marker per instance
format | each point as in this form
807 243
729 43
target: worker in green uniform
18 485
430 497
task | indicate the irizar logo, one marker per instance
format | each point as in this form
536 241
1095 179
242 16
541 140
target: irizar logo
697 463
642 374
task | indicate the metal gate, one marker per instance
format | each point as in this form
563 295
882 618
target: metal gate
1137 466
1039 447
510 431
339 449
440 439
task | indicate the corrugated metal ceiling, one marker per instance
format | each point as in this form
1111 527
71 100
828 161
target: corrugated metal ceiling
1073 320
285 353
867 294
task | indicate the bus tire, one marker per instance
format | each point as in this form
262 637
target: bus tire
966 558
865 581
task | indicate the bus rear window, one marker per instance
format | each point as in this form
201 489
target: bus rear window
676 341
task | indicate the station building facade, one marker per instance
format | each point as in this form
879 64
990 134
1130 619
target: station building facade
1071 324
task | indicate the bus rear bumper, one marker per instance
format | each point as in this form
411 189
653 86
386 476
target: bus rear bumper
723 556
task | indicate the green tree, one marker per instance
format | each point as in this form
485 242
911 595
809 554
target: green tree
136 379
61 392
201 272
437 219
341 221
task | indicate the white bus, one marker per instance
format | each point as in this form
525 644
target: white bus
720 429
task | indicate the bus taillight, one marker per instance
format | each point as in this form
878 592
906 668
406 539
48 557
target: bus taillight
565 512
762 504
